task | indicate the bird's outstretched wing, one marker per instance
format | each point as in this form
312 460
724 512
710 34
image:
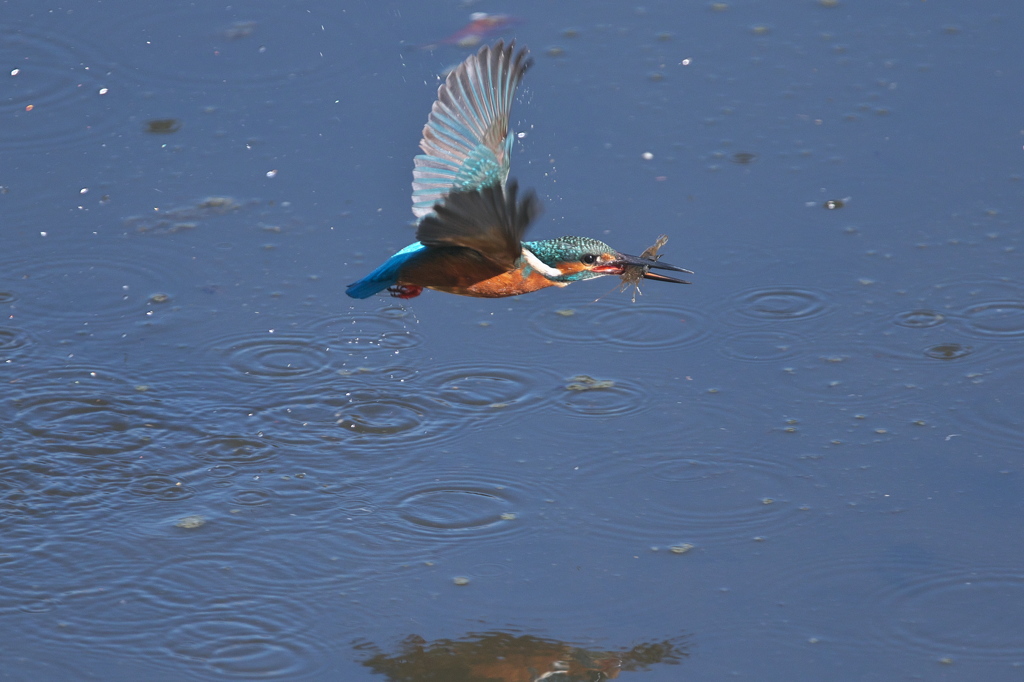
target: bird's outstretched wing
465 141
489 221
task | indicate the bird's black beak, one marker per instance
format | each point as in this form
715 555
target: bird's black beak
626 265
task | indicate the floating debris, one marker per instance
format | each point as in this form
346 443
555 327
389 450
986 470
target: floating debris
632 274
239 29
582 382
947 351
833 204
681 548
190 522
163 126
183 217
219 204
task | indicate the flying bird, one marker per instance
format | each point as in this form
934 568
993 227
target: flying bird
469 240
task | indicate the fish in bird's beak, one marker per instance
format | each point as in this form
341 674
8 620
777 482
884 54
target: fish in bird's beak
635 268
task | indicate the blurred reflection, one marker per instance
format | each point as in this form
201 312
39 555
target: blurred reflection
502 657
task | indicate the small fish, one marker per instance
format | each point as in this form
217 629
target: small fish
632 274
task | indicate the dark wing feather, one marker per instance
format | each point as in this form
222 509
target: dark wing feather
488 221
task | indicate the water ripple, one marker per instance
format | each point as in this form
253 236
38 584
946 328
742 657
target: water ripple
73 485
478 388
919 319
855 376
63 573
274 355
995 319
366 420
317 497
989 405
779 304
453 507
637 326
852 584
246 641
88 288
207 45
232 449
251 497
958 295
176 580
54 90
588 397
974 613
666 498
388 329
13 343
947 351
761 346
160 487
233 634
902 598
88 411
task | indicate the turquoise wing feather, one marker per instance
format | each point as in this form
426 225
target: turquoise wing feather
466 143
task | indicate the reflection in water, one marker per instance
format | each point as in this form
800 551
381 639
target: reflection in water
503 657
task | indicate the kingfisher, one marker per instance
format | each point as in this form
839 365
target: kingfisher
469 238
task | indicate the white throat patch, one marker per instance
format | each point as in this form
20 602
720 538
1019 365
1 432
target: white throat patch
542 268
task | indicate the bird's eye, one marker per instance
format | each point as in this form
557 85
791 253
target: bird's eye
588 259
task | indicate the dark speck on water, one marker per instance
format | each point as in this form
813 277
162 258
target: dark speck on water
163 126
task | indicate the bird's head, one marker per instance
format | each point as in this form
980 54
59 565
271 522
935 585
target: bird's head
579 258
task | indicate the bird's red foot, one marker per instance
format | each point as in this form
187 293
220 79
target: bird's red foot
405 290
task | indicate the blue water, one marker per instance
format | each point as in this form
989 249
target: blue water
807 465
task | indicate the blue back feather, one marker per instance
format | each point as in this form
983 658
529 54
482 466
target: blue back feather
384 276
